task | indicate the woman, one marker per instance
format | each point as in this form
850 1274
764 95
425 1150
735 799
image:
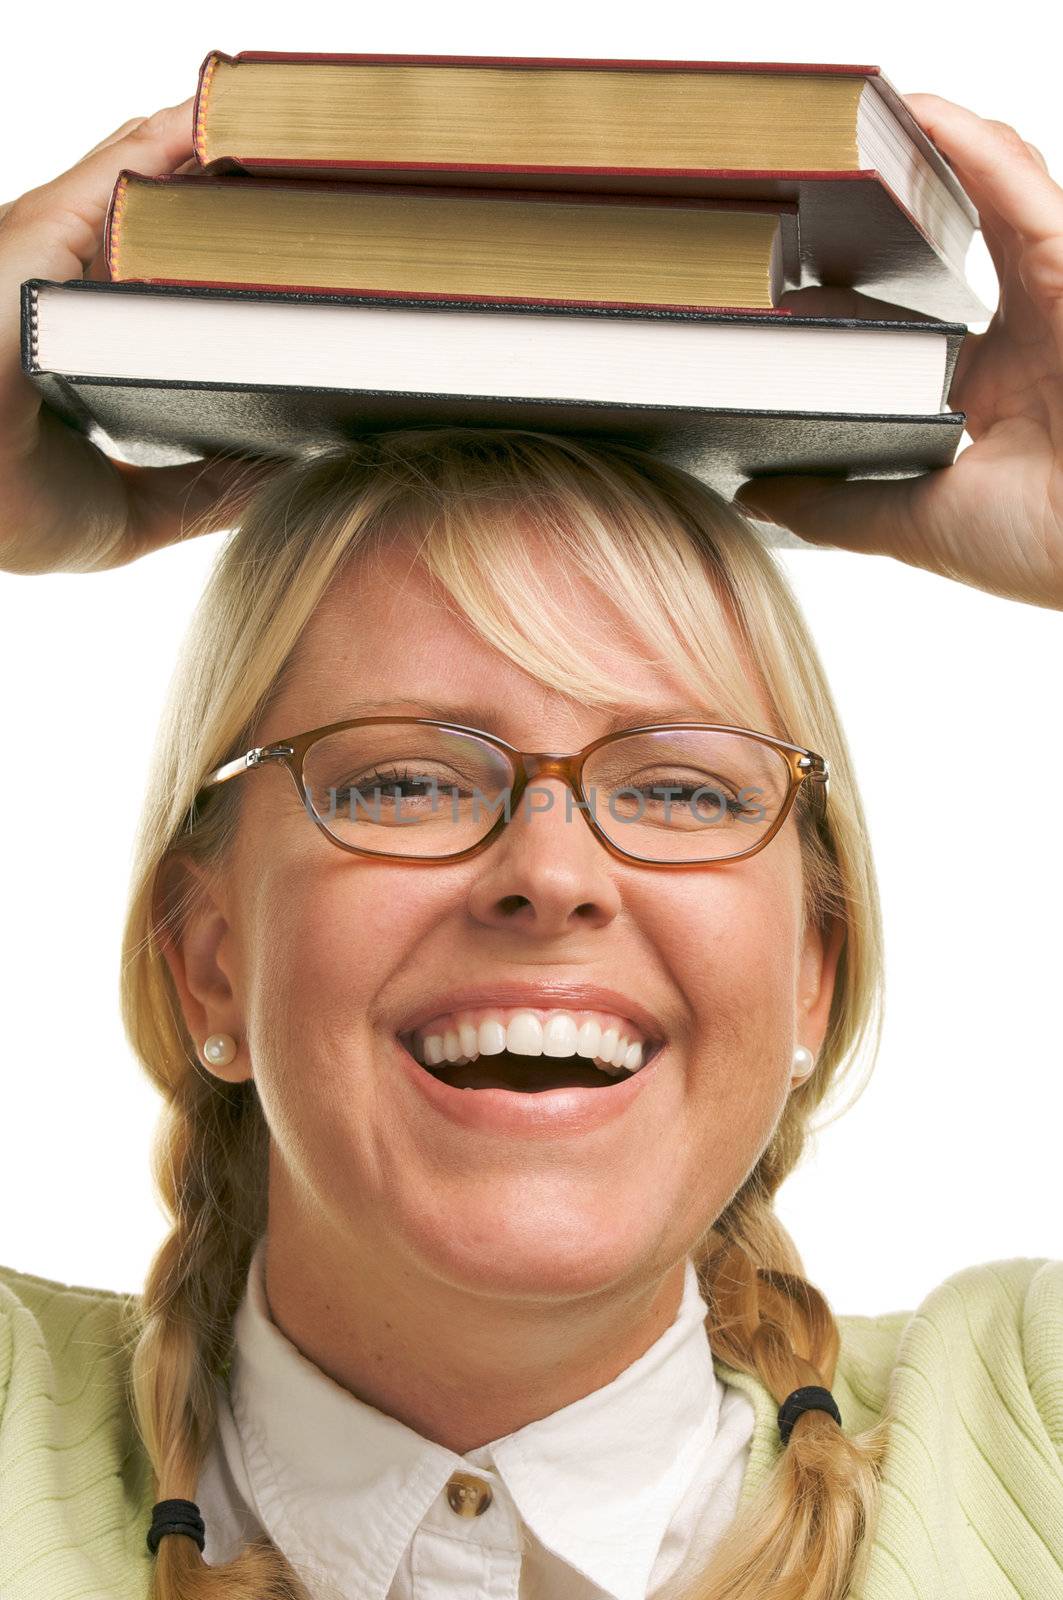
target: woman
473 1357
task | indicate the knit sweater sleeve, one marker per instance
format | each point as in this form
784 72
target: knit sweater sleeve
972 1491
74 1477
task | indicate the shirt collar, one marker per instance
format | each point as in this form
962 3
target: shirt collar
342 1487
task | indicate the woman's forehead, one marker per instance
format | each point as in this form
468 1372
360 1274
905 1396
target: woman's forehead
393 610
396 581
409 645
386 637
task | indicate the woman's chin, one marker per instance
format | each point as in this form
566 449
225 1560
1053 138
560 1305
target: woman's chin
527 1250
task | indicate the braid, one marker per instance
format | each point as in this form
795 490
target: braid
210 1165
807 1533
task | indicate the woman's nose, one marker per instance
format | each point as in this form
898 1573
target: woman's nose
547 869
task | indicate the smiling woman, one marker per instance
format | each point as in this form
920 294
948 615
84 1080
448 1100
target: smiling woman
467 1259
502 914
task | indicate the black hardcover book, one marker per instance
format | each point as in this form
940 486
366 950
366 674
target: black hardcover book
158 374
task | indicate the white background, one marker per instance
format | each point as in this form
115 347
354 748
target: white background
952 1154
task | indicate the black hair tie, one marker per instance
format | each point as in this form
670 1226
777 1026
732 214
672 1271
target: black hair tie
176 1516
809 1398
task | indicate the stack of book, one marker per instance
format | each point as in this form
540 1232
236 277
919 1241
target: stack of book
587 246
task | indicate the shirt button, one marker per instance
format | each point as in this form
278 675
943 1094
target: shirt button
468 1496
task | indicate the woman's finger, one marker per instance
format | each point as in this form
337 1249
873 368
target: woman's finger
56 230
128 126
198 497
150 145
996 166
871 516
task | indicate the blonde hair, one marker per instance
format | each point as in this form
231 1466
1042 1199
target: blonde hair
700 585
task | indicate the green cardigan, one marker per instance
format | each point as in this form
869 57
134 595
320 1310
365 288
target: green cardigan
972 1495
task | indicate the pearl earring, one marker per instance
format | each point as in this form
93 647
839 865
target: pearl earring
804 1061
219 1049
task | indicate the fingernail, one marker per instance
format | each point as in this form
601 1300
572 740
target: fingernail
758 513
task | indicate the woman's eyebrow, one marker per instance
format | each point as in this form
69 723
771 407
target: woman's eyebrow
629 715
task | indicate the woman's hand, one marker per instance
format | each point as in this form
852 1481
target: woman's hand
994 518
64 505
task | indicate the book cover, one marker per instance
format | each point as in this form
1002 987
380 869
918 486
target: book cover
162 421
857 228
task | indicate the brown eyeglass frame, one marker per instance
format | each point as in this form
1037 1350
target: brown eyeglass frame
804 765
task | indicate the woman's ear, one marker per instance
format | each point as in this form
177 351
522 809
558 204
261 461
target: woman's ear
194 935
821 951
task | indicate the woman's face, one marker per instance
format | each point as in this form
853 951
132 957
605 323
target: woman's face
314 959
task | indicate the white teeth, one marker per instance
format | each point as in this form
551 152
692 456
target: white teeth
492 1038
559 1036
452 1045
469 1036
589 1038
433 1049
524 1036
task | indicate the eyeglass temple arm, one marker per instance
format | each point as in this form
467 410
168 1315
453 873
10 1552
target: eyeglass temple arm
251 758
817 770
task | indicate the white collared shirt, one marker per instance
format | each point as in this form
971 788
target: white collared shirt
621 1493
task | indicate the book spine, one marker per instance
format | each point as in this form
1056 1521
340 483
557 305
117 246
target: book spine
28 340
112 228
199 109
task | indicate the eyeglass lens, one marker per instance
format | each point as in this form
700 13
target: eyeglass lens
406 789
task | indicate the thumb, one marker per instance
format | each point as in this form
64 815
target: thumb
151 145
868 515
56 230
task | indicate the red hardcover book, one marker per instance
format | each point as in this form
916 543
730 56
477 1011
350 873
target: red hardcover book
880 208
408 240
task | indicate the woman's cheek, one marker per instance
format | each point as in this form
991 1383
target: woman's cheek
731 950
332 946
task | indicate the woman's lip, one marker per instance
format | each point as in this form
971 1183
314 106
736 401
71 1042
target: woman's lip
546 996
549 1114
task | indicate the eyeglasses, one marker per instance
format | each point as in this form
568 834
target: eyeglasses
670 794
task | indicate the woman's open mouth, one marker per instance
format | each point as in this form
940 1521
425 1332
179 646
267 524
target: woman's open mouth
525 1071
525 1074
530 1096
